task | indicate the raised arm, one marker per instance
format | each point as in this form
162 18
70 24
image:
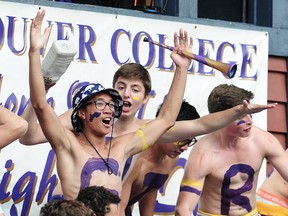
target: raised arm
149 133
211 122
49 121
34 134
12 127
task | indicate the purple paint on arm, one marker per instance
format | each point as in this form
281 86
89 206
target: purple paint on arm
191 190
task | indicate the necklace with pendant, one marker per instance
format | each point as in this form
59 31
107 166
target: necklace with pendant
106 162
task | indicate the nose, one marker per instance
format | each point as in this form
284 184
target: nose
249 119
184 148
107 108
126 93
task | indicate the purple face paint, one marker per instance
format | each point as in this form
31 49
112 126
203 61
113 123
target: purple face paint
94 164
234 195
191 190
94 115
151 181
240 122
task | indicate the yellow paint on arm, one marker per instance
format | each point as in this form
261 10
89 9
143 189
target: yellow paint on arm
142 136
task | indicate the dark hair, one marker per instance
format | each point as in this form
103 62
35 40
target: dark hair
225 96
98 199
65 208
187 112
134 71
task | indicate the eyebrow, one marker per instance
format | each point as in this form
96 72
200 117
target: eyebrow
99 98
133 85
120 82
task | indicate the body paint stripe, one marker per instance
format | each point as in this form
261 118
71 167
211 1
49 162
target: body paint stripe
190 189
142 136
191 183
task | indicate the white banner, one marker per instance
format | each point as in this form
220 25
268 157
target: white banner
104 42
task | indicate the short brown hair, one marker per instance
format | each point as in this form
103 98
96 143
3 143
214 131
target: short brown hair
134 71
225 96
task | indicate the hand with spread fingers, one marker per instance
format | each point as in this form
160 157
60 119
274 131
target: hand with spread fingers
37 39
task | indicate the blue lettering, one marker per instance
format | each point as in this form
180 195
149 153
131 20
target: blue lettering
202 44
247 60
161 59
61 26
11 38
113 46
86 45
222 47
24 194
4 194
2 30
24 189
135 51
47 179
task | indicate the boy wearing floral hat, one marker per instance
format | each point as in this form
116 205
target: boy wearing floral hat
84 158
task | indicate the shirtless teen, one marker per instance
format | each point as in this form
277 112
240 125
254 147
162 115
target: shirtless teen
152 169
133 83
272 196
222 170
83 156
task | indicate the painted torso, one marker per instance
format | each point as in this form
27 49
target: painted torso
87 168
148 175
231 183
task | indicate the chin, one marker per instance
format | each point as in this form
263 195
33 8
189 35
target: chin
125 114
173 156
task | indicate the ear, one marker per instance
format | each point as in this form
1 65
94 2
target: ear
81 112
146 98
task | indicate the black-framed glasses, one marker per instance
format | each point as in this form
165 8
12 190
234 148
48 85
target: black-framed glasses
101 104
189 142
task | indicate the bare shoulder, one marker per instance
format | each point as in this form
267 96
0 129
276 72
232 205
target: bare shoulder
262 134
208 142
266 142
145 121
205 148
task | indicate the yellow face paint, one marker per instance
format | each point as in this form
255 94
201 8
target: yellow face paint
191 183
135 98
142 136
